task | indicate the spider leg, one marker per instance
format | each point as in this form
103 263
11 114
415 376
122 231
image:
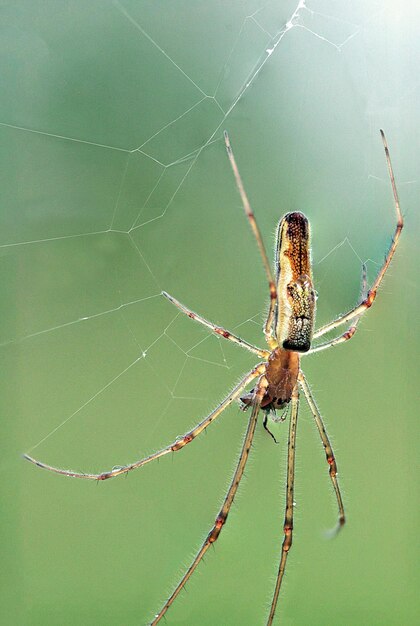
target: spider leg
351 329
173 447
367 302
216 329
336 341
328 449
257 234
224 511
288 518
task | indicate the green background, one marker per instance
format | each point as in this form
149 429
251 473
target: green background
115 185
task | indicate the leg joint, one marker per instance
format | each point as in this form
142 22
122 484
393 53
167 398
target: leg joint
288 535
218 525
370 298
182 442
333 465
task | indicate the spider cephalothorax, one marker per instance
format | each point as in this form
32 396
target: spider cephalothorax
281 372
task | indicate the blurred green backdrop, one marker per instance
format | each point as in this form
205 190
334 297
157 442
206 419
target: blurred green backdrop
115 185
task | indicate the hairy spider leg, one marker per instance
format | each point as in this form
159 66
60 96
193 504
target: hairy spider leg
172 447
349 333
221 332
367 302
288 517
329 453
257 234
216 529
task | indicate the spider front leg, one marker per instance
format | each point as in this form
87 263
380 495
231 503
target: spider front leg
172 447
367 302
216 529
257 234
221 332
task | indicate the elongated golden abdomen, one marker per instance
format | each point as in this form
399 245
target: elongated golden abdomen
295 310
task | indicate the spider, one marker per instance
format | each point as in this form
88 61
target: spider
289 331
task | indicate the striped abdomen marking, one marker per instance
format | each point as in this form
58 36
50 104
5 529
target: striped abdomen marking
295 311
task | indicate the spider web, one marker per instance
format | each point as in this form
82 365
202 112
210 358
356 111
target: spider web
116 186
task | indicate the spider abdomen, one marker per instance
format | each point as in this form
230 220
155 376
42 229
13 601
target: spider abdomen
295 309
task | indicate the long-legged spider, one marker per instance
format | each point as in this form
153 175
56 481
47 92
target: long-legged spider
288 330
